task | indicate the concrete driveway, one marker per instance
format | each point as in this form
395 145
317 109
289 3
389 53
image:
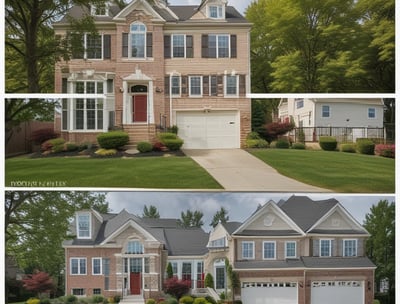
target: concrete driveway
238 170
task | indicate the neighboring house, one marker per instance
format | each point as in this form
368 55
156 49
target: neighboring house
352 117
158 66
296 251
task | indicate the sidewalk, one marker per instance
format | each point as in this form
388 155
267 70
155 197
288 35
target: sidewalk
237 170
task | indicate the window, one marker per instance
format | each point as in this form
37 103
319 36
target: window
220 277
83 225
371 113
96 266
136 265
134 247
78 266
299 103
195 86
325 249
91 46
219 46
215 11
326 111
349 248
213 85
218 243
269 250
100 9
248 250
138 40
175 85
178 46
231 85
78 291
187 271
97 291
174 268
290 249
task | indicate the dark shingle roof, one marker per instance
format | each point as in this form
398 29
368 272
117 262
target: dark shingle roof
261 265
340 262
231 227
250 232
191 241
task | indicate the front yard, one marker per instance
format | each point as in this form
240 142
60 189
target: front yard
144 172
337 171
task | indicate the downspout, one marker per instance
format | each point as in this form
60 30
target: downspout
170 99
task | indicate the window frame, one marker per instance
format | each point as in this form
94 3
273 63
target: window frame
218 47
219 10
355 247
248 243
73 292
369 113
226 93
78 229
268 250
286 250
180 46
100 265
179 85
330 247
79 271
130 40
138 247
191 94
324 111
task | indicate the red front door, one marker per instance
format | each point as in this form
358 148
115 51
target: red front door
139 106
136 283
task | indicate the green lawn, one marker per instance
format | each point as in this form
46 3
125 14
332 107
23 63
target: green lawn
144 172
337 171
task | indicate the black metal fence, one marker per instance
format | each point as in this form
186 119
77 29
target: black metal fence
342 134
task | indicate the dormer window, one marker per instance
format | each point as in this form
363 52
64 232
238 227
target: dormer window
134 247
216 11
83 225
99 9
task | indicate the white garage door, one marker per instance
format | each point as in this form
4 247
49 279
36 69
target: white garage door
212 130
269 293
343 292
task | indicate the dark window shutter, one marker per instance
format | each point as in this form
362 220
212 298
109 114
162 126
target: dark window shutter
125 44
220 85
184 80
64 85
206 85
166 85
213 86
189 46
107 46
242 84
204 46
149 44
233 46
167 46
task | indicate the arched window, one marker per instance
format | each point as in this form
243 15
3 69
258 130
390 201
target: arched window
138 89
138 40
134 247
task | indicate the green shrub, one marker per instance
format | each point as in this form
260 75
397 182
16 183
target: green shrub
54 145
106 152
256 143
282 144
173 144
328 143
144 147
117 298
349 148
173 129
58 149
365 146
97 299
167 135
70 146
376 302
222 296
186 300
200 301
45 301
151 301
71 299
171 300
299 146
253 135
33 301
113 139
209 280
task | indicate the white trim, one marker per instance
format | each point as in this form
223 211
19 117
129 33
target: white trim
330 248
101 266
79 266
295 250
190 86
253 250
343 249
263 250
83 213
226 94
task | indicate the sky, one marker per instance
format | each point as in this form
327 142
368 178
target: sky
240 205
240 5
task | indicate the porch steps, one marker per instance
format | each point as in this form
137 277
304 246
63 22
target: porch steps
204 292
132 300
138 133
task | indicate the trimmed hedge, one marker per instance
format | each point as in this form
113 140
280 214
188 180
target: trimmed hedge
328 143
385 150
144 147
171 141
282 144
113 139
256 143
53 145
348 148
365 146
186 300
299 146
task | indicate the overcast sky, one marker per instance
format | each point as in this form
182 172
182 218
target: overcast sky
240 5
240 205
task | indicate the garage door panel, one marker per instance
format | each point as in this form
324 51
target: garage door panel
343 292
212 130
270 294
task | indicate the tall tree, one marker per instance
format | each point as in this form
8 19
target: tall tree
36 224
191 219
220 216
150 212
380 223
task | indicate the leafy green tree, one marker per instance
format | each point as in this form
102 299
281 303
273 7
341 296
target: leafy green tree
191 219
262 112
150 212
380 247
220 216
209 280
36 224
170 272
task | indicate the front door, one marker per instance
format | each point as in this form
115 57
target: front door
136 283
139 107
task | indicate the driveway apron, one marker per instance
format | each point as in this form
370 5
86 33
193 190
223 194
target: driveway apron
238 170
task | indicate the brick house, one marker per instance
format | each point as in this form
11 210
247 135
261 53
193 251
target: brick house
293 251
156 66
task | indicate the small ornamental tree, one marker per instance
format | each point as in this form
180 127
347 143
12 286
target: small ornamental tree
273 130
170 272
176 288
209 280
39 282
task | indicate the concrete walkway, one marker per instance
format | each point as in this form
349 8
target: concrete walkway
238 170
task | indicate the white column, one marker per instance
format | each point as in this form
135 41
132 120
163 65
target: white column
71 113
150 103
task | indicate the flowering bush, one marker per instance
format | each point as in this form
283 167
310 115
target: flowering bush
385 150
175 287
